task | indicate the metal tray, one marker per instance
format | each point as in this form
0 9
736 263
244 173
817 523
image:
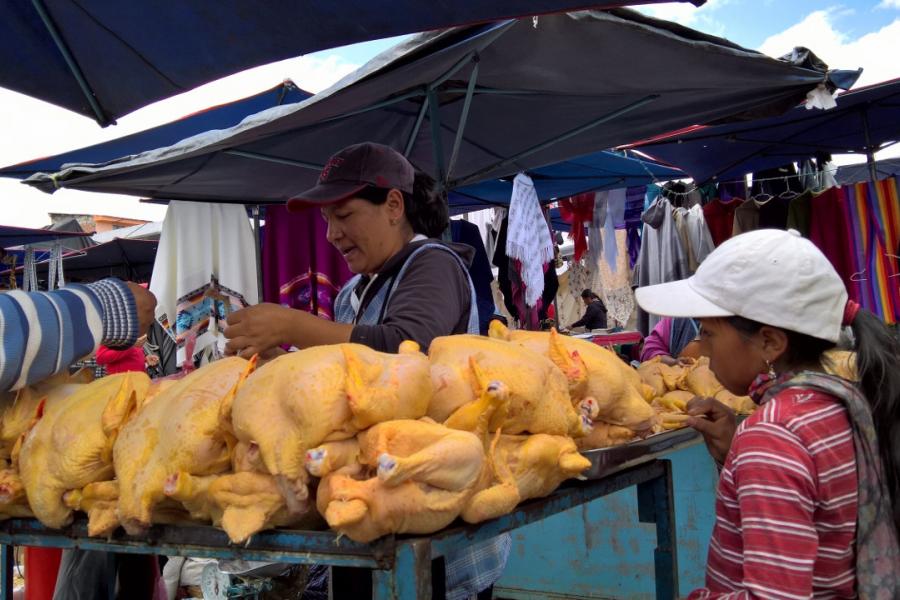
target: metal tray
608 460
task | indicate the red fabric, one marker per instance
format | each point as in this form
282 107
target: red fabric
121 361
827 230
850 312
786 505
577 210
720 219
41 567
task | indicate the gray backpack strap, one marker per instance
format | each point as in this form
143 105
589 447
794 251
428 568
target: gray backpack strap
474 326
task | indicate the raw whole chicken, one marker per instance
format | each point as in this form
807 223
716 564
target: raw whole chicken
699 379
593 373
298 402
523 467
659 376
462 366
742 405
71 444
177 434
411 477
604 435
19 414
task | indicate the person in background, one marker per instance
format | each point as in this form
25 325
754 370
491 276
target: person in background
671 340
44 332
594 314
808 501
127 359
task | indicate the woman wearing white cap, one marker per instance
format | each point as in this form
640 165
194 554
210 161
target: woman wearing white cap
807 502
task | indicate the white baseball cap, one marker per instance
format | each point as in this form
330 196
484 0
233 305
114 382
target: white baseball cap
770 276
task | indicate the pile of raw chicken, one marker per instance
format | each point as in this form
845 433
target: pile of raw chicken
372 443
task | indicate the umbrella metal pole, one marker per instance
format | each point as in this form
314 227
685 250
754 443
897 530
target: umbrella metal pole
870 154
73 65
258 249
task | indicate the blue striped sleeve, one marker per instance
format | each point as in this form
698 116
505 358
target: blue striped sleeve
121 327
42 333
78 338
13 338
45 361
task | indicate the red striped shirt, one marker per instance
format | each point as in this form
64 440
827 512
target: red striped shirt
786 504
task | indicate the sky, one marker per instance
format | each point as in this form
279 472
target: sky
845 34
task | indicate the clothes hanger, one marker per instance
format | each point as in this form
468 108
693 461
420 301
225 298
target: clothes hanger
762 198
858 276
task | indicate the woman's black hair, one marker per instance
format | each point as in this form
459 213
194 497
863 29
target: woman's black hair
425 210
878 372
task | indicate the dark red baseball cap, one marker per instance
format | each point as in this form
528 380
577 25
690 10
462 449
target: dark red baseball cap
355 168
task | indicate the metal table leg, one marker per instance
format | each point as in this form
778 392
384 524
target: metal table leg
656 505
410 579
6 575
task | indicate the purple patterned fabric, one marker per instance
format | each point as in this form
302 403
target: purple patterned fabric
301 269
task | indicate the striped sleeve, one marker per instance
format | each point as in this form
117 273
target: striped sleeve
41 333
774 490
121 328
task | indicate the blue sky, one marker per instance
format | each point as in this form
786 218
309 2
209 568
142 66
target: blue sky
846 34
746 22
750 22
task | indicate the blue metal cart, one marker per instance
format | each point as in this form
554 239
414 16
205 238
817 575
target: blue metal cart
400 565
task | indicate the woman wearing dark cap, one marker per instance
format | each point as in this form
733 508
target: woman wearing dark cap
384 218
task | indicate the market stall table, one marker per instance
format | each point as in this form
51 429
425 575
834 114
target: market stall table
400 565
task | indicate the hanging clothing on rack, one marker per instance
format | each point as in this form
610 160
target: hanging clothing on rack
611 205
578 210
695 235
746 218
528 239
510 284
776 181
729 190
799 212
634 206
301 269
873 213
615 283
468 233
663 257
828 230
654 191
720 219
205 269
773 212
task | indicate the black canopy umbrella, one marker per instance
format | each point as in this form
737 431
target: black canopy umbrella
865 121
11 237
105 59
476 103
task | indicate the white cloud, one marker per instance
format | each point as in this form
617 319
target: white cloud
889 4
875 52
685 13
31 128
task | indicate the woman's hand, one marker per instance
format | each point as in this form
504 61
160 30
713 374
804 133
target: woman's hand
257 329
716 422
152 360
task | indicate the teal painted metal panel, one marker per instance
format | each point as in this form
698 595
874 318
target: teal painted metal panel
602 551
